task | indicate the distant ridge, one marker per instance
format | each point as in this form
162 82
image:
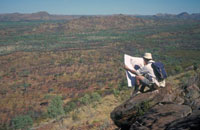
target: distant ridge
35 16
183 15
96 23
43 15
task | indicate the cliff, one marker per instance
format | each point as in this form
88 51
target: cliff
170 108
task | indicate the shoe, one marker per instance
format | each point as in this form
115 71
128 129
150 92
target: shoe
135 93
155 91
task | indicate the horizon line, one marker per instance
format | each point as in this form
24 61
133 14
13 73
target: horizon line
98 14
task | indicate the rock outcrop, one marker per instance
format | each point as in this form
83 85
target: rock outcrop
168 108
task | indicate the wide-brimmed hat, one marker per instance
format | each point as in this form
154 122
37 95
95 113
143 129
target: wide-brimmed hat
147 56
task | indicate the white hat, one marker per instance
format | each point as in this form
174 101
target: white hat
147 56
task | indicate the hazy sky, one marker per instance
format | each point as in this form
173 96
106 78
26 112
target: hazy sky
90 7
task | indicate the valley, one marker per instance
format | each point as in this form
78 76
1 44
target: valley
75 58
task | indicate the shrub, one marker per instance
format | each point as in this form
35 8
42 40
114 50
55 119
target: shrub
116 92
95 97
75 116
195 66
142 108
69 107
22 122
178 69
85 99
4 126
24 73
123 85
55 108
50 90
26 85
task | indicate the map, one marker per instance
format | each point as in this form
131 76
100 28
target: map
132 63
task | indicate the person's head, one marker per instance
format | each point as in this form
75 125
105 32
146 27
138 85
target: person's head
147 57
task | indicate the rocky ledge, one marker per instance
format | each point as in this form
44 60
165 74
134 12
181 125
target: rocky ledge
169 108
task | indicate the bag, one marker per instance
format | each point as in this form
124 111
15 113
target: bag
159 71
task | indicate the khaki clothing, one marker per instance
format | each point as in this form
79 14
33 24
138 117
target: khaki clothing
148 73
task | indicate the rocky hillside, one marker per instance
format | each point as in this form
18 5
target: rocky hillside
105 22
171 108
175 107
95 23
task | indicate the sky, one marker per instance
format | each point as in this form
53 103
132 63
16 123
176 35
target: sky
100 7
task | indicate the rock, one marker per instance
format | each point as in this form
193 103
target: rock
179 100
171 108
127 113
189 68
160 116
192 96
193 92
192 122
196 104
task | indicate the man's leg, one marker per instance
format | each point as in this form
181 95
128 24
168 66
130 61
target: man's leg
138 83
145 83
142 88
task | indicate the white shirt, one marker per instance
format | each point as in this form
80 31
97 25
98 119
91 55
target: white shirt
147 72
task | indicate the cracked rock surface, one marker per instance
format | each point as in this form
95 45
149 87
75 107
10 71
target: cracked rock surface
169 108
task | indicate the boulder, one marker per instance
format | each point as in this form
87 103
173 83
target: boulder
192 122
158 117
157 109
127 113
169 108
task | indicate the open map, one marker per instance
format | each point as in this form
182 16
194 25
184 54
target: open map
132 63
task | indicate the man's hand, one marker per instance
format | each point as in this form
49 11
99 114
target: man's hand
126 67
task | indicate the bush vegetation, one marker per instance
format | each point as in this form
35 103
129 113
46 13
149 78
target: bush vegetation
70 107
49 61
22 122
84 100
56 107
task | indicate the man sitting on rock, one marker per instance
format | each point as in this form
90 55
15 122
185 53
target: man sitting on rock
145 75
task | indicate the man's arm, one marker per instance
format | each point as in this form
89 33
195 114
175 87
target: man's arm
131 70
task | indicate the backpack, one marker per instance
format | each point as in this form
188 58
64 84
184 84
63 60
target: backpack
159 71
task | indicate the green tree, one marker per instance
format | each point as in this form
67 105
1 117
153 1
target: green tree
22 122
55 108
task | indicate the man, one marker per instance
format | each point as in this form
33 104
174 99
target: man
144 76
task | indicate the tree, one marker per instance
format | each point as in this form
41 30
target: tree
55 108
22 122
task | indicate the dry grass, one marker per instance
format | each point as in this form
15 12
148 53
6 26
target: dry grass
94 116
